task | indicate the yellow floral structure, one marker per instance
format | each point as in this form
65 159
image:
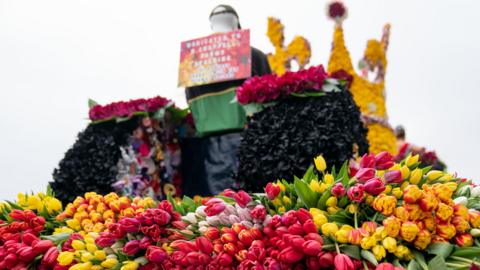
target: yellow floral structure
369 96
298 49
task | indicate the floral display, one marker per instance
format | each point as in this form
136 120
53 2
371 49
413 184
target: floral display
368 95
371 213
127 108
278 147
298 49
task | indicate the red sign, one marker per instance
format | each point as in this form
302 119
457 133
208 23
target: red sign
215 58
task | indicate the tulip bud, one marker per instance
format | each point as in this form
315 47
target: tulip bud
338 190
313 263
475 232
272 191
411 194
131 247
204 245
383 161
343 262
312 247
475 192
320 163
365 174
434 175
325 259
224 259
156 254
367 161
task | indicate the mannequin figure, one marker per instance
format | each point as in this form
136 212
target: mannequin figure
219 122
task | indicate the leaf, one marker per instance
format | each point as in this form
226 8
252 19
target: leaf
420 259
91 103
309 175
226 199
322 202
57 238
176 206
351 251
343 174
343 202
122 119
189 204
367 255
440 249
314 94
298 95
437 263
159 114
468 252
252 108
308 197
413 265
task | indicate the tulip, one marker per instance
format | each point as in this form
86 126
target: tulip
156 254
423 239
444 212
129 225
42 246
343 262
325 259
393 177
50 257
329 229
409 231
474 217
461 225
355 193
224 259
365 174
385 266
65 258
379 252
109 263
131 247
320 163
392 226
411 194
428 202
242 198
415 176
384 204
434 175
229 193
272 191
475 232
290 255
390 244
464 240
204 245
461 200
445 230
312 247
374 186
29 238
259 212
367 161
214 209
475 192
383 161
313 263
26 254
338 190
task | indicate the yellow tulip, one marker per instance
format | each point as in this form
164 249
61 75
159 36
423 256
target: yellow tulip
332 201
416 176
342 236
379 252
329 229
328 179
319 220
109 263
100 255
434 175
129 265
86 257
65 258
412 160
390 244
405 172
368 242
78 245
314 185
320 163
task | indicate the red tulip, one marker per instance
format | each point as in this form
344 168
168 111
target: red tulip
314 236
10 260
385 266
256 253
224 259
272 191
367 161
132 247
355 193
130 225
303 215
193 258
215 208
312 247
246 237
290 255
259 212
229 193
230 248
383 161
42 246
105 240
212 233
325 259
242 198
309 227
296 242
393 177
29 238
50 257
156 254
204 245
338 190
374 186
343 262
313 263
26 254
365 174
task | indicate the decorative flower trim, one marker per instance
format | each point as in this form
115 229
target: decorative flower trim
125 109
314 81
373 119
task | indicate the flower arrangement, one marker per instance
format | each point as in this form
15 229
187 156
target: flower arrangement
124 109
375 213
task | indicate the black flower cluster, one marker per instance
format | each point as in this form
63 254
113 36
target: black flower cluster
281 141
91 163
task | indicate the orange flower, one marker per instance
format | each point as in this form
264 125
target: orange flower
461 225
409 231
428 202
414 211
412 193
460 210
443 192
369 226
423 239
385 204
444 212
474 219
429 223
401 213
464 240
355 236
392 226
446 230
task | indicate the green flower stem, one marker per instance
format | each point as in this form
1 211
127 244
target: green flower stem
465 260
365 266
355 219
337 248
456 265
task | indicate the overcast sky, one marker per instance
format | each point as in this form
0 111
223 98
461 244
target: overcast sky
54 55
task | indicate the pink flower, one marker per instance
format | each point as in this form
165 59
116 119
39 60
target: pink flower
374 186
393 177
383 161
343 262
355 193
259 212
229 193
156 254
338 190
367 161
365 174
130 225
272 191
214 208
242 198
132 247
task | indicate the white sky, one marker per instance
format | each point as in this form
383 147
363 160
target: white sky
54 55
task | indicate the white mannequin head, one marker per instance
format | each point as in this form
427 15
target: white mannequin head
224 18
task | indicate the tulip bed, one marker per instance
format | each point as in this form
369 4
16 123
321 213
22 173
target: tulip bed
370 214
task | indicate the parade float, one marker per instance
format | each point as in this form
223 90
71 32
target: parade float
327 194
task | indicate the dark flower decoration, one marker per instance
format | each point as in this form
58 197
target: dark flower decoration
282 140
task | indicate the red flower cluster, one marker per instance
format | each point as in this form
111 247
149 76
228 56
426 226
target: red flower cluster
271 87
123 109
336 10
19 242
152 224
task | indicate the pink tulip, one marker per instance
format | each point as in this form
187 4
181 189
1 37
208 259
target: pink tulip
393 177
355 193
367 161
383 161
374 186
343 262
365 174
338 190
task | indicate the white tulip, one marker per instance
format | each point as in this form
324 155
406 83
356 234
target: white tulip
190 218
475 192
464 190
201 211
461 200
202 229
234 219
214 221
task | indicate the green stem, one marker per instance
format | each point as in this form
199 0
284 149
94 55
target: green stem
337 248
455 265
355 218
365 265
375 216
464 260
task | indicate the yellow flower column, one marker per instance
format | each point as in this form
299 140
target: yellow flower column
368 96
